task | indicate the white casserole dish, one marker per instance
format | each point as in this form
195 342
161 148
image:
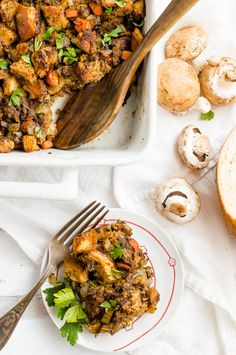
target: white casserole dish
126 141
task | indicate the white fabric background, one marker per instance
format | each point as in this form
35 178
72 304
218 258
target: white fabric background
206 320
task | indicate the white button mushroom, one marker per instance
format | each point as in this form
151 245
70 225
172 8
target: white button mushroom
187 43
176 200
218 80
178 85
194 148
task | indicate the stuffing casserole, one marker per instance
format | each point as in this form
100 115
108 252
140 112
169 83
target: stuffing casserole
51 47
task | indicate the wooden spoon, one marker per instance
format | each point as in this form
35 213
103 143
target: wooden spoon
90 111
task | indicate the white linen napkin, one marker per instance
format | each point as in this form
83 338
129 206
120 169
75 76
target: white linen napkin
206 320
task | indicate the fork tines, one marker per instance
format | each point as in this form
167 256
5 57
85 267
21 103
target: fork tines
82 220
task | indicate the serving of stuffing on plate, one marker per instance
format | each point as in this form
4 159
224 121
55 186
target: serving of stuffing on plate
107 283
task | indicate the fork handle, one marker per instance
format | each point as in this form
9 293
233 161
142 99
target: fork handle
9 320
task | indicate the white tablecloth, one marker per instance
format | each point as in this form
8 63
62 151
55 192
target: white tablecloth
206 320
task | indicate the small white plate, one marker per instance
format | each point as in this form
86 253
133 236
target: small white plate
169 281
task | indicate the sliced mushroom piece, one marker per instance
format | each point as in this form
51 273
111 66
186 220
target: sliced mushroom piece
218 80
176 200
178 85
187 43
194 148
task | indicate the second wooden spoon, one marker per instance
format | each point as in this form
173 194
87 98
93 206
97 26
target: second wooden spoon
90 111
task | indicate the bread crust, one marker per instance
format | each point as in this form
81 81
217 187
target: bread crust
226 192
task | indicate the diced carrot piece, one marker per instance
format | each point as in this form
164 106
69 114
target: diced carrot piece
71 12
47 145
52 78
134 244
126 54
96 8
81 24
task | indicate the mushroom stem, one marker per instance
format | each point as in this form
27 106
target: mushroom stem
199 63
203 105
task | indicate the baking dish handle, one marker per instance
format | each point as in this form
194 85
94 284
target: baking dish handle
66 189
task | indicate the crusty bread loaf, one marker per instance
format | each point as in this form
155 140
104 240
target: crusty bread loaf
226 180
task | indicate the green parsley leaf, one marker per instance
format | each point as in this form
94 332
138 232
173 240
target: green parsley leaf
141 24
113 303
207 116
117 273
48 33
60 53
3 64
37 44
119 3
61 312
69 55
118 251
50 292
67 282
64 297
113 34
59 40
15 97
108 11
70 332
74 313
26 59
108 304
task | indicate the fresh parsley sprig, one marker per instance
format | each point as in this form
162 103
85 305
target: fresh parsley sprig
74 314
69 55
113 34
26 59
108 11
118 251
37 44
59 40
108 304
69 308
47 34
15 98
120 3
141 24
64 297
50 292
207 116
70 332
3 64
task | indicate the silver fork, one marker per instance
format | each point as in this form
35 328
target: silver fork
58 249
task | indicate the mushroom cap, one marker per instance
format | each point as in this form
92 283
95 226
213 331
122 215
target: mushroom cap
176 200
187 43
178 85
194 148
218 80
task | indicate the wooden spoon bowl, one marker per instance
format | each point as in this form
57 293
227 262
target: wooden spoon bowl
90 111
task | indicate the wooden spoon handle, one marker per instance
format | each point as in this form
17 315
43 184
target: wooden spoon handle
175 10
